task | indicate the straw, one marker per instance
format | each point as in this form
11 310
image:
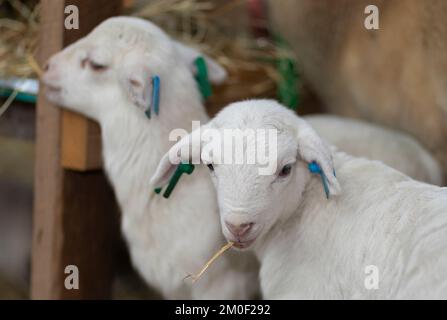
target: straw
19 28
209 263
208 26
8 102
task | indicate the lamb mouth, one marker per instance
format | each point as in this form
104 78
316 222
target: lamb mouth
243 244
53 93
52 89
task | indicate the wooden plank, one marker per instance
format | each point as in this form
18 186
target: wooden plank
81 143
74 221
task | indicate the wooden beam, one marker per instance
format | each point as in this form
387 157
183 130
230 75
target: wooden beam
74 220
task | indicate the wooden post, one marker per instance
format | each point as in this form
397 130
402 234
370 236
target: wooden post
74 213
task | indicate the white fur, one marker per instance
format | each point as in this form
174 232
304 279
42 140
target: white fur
312 247
382 218
167 238
362 139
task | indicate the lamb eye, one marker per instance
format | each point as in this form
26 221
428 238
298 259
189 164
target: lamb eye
285 171
211 167
97 66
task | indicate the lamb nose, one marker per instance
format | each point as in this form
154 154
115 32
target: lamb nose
239 230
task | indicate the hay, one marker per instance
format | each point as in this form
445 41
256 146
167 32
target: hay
210 27
209 263
34 65
19 30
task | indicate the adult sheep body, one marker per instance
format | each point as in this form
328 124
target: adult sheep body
395 76
310 246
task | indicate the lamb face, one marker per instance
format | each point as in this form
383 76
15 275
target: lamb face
249 202
252 199
108 68
113 67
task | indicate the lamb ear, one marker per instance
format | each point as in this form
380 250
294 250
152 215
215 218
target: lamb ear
186 150
312 148
136 80
216 73
138 88
164 172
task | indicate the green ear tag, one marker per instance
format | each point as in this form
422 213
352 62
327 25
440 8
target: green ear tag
202 78
287 88
158 190
181 169
288 93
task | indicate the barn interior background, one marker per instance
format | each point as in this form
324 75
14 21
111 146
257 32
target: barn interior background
314 57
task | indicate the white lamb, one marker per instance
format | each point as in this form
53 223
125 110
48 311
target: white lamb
107 76
381 222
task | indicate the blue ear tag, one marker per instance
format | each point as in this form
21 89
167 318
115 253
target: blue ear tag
156 94
155 99
314 167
